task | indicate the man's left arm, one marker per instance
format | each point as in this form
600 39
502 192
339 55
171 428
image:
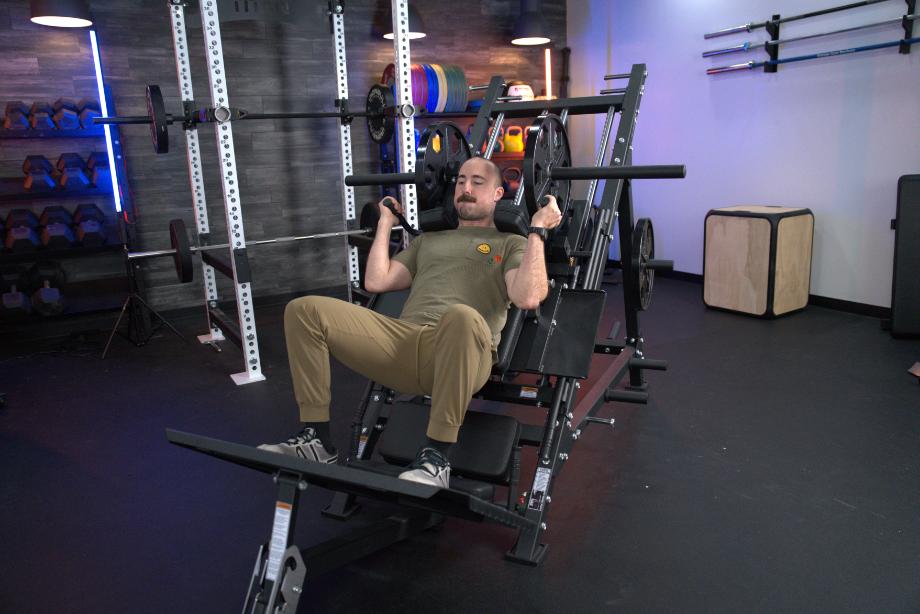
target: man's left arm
527 285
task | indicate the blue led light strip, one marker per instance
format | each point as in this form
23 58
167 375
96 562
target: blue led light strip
105 113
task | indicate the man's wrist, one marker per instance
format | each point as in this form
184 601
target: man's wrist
540 231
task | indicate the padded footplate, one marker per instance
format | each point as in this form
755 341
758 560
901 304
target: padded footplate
476 488
447 501
483 449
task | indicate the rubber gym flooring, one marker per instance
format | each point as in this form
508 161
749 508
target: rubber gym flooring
775 469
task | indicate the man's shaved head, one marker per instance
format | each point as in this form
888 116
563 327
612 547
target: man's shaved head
492 171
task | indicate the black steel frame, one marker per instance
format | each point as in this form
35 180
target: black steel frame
579 268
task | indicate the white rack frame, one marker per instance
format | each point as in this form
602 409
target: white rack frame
217 80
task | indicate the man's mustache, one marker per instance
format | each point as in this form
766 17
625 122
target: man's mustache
466 198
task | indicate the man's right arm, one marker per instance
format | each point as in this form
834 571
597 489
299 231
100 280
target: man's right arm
382 273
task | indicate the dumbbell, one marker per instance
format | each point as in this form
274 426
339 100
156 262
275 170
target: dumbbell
73 171
47 277
15 303
97 167
21 235
66 114
88 222
16 116
55 223
41 115
38 171
88 110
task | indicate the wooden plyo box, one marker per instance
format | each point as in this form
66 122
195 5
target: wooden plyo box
757 260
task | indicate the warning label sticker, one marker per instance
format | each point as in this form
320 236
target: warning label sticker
540 486
279 540
528 393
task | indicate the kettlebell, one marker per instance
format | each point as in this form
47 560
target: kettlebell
511 177
514 139
499 144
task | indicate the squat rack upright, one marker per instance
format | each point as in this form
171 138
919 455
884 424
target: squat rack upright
242 328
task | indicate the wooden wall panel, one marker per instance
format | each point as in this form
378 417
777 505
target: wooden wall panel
288 169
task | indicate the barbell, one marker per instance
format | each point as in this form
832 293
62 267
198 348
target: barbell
379 109
182 250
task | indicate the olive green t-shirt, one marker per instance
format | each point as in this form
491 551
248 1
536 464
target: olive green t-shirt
466 265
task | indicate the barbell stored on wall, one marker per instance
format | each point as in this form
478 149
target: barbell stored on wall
182 250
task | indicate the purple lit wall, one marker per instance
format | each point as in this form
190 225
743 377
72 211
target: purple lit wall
832 134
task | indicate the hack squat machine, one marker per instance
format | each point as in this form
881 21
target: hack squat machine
553 347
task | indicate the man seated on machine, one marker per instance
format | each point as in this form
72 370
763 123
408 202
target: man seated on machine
444 343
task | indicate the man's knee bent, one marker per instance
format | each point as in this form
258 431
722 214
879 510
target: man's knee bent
307 309
465 318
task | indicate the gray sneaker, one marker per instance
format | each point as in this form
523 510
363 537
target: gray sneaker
429 467
304 444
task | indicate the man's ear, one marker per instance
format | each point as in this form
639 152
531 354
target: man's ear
499 192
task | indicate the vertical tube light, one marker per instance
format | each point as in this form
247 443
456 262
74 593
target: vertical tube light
547 59
104 107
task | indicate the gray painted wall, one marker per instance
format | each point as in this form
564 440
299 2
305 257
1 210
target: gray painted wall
288 169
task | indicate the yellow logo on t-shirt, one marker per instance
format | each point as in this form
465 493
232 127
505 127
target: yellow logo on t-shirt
484 248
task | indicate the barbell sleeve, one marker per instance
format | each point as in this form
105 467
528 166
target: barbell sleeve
625 396
665 171
380 179
741 47
660 265
733 67
648 363
743 28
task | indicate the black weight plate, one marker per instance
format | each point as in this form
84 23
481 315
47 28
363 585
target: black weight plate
547 148
379 123
159 134
643 250
438 163
182 258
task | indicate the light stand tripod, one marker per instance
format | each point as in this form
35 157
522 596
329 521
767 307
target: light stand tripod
139 323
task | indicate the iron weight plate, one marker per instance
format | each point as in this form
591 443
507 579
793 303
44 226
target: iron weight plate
178 238
159 133
547 148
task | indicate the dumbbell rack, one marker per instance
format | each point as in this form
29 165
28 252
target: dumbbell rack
139 319
242 328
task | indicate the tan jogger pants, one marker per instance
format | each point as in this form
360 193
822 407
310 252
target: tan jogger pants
450 361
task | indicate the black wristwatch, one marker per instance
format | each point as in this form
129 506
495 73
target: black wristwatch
543 233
